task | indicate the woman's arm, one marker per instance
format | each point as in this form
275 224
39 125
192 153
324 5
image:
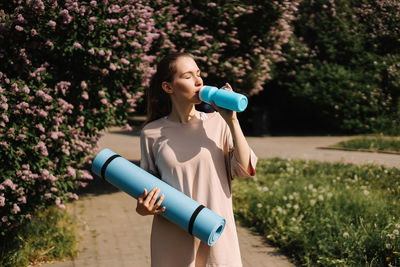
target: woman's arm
242 149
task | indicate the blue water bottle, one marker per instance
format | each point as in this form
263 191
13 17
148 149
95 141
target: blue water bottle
223 98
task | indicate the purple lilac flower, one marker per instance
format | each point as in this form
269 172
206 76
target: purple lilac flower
40 127
15 209
118 102
21 19
73 196
10 184
124 61
4 117
71 171
42 113
64 14
21 137
49 43
83 85
43 149
85 175
22 199
77 45
4 144
52 24
63 86
25 89
112 67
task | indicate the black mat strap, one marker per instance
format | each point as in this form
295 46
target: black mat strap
193 218
103 169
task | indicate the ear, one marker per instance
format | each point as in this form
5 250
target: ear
166 86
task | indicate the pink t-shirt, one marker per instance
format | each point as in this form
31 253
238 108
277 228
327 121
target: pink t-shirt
197 159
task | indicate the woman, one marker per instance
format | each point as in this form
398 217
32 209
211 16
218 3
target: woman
196 153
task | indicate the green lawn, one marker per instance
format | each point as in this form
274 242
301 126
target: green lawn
324 214
50 236
374 144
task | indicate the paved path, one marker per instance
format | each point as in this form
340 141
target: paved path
113 234
310 148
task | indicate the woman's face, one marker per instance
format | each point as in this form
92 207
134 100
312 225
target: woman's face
187 81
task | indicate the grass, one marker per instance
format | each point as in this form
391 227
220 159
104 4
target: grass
324 214
51 235
372 143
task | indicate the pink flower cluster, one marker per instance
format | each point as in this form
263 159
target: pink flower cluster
64 93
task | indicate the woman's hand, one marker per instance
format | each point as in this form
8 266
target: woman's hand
227 115
146 203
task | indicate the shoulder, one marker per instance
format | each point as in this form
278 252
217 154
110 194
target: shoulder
152 129
215 120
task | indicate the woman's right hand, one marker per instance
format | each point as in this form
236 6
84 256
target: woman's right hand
146 203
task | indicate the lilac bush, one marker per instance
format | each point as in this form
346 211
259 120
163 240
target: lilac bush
69 69
343 62
52 101
240 41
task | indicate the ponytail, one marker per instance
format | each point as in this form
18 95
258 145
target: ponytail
158 101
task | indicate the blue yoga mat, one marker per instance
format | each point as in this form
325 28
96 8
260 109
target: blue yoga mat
180 209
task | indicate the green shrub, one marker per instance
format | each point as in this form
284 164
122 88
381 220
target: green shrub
342 61
69 69
324 214
67 72
240 41
377 143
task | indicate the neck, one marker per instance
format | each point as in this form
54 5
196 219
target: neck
182 113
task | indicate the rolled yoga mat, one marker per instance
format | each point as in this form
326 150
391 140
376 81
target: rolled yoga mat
180 209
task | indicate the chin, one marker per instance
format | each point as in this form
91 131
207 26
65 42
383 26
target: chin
197 102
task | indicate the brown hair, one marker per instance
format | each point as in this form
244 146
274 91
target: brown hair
158 101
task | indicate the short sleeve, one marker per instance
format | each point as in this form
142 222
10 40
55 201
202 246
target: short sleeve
147 161
235 168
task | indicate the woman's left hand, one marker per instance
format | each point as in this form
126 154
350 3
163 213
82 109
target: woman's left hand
227 115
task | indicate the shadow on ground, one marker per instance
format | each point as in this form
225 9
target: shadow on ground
135 132
99 186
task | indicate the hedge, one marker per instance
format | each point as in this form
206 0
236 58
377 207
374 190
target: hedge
342 69
70 69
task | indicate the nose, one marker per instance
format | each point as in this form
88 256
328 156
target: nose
198 81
